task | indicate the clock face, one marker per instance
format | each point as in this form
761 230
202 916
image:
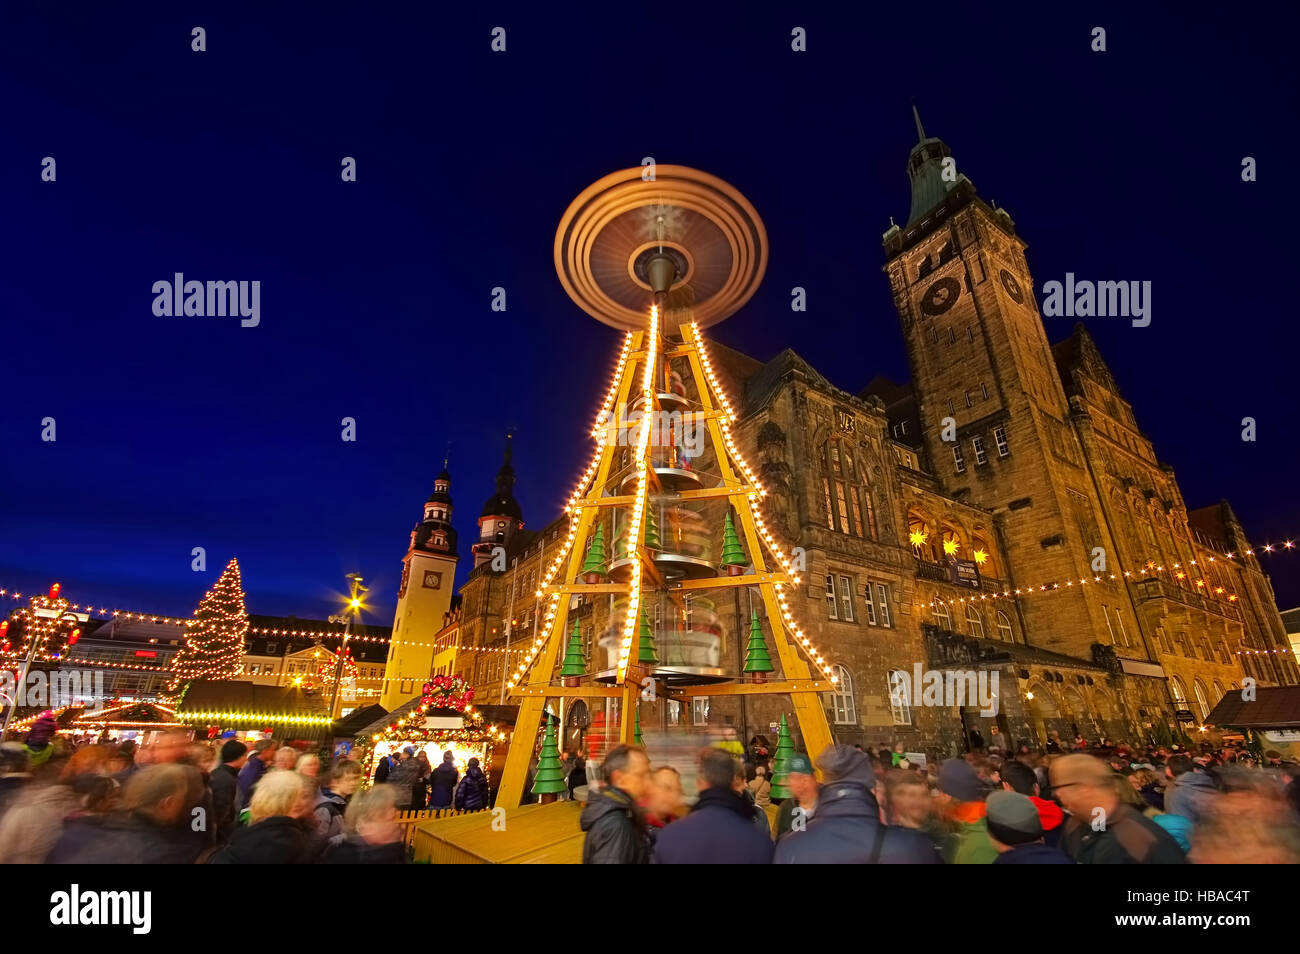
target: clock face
940 296
432 580
1013 287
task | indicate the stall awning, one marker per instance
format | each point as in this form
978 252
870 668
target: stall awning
1273 707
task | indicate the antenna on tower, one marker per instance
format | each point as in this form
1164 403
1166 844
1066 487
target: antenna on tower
920 131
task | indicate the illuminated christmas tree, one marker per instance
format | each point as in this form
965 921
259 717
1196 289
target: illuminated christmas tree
214 646
549 780
757 662
733 555
575 663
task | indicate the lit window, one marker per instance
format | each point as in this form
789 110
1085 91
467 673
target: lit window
842 704
882 604
700 710
975 625
830 597
941 615
900 697
1119 621
846 599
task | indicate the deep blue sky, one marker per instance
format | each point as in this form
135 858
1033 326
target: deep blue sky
183 432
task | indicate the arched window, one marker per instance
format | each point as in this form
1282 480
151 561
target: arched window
1202 703
844 708
982 554
900 697
1180 694
1004 628
921 536
941 615
974 624
1218 692
953 547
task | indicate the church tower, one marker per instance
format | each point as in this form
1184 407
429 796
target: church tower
501 517
994 415
428 574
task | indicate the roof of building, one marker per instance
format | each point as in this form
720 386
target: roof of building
1274 707
289 639
357 720
231 695
1291 619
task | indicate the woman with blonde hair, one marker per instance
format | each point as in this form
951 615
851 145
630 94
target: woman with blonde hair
373 835
280 824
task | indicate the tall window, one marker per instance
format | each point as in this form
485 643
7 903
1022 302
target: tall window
1180 694
846 599
958 459
847 498
1005 632
941 615
980 456
870 605
974 625
882 604
831 603
842 705
1163 638
1119 625
1000 438
1202 704
700 710
900 697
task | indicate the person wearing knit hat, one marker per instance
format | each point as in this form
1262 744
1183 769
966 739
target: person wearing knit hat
847 827
964 793
1016 832
224 782
802 785
38 745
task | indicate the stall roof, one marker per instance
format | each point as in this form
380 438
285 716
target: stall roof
232 695
355 722
1274 707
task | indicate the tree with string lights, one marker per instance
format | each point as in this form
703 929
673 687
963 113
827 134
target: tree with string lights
214 646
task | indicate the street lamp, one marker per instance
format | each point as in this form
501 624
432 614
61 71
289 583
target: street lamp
348 615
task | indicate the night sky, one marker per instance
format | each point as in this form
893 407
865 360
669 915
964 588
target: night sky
175 432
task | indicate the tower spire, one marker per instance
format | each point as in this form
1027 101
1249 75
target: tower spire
920 131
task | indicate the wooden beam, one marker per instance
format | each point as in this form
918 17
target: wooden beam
791 686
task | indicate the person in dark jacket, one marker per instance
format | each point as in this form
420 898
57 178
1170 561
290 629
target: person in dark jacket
383 769
846 828
1193 790
846 825
152 826
472 792
1016 831
577 775
372 835
1018 777
404 778
420 787
332 801
254 769
1086 787
280 825
442 783
615 827
225 789
720 828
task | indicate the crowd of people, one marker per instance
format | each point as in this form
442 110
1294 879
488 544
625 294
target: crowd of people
180 802
1080 804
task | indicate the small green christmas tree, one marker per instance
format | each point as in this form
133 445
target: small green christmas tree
549 779
636 733
781 761
756 657
595 562
575 663
732 552
651 530
646 646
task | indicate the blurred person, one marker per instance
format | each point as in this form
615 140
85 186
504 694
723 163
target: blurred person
1016 832
801 783
614 824
1054 743
203 757
962 796
332 800
577 778
171 746
382 768
720 828
760 787
127 752
34 821
224 783
1146 783
308 765
664 801
1248 822
1291 786
255 768
280 824
997 741
757 816
442 782
372 834
976 739
285 759
1020 778
14 772
896 756
846 828
1193 790
39 742
153 825
420 787
472 793
1087 789
403 777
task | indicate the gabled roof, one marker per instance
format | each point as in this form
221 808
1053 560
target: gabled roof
1274 707
356 721
230 695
